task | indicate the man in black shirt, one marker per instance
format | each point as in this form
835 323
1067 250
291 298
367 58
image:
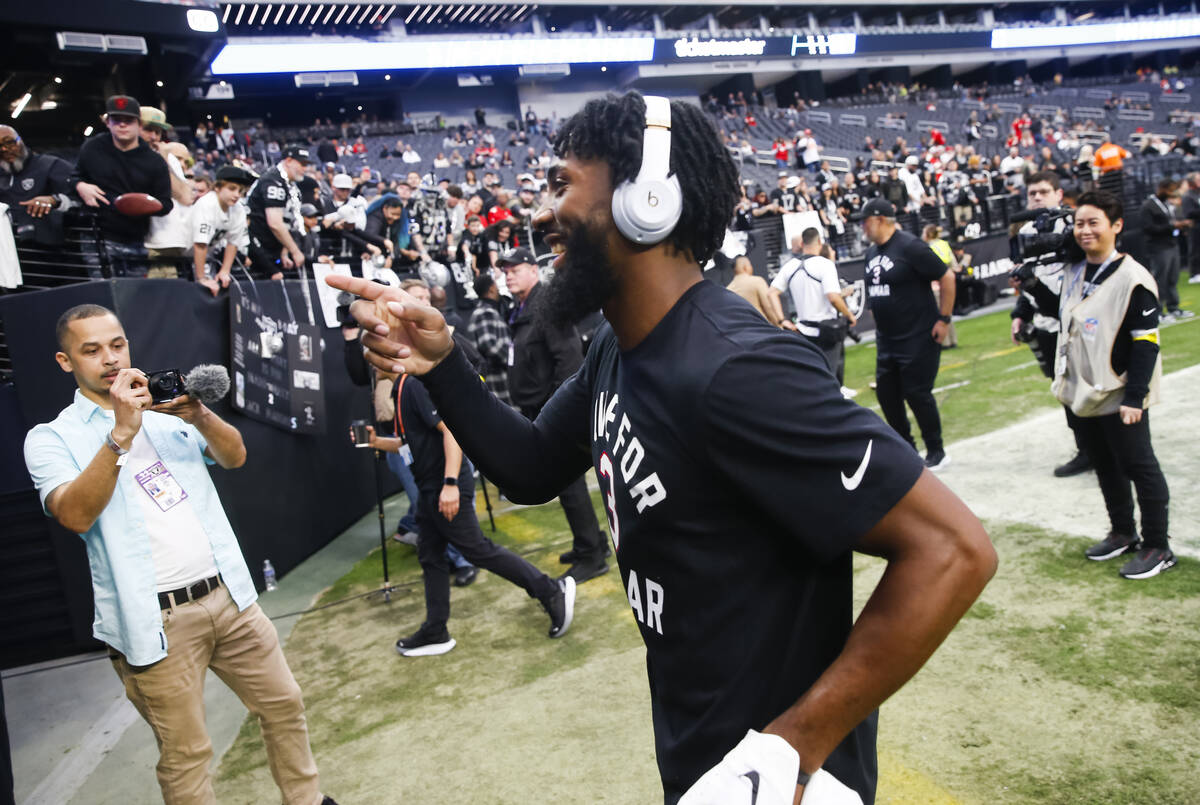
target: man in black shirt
543 356
110 166
737 479
274 218
909 327
446 516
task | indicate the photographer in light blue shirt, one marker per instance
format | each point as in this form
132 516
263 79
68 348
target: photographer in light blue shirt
173 594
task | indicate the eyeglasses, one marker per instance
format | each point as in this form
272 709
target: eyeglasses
10 143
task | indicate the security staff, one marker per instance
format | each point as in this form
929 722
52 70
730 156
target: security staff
542 358
275 222
1161 227
1043 191
909 327
1107 371
35 187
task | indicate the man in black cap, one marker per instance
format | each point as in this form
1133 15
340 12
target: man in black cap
111 166
275 220
35 187
909 326
542 357
219 222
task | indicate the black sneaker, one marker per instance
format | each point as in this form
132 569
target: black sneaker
582 571
1148 562
1076 466
328 801
465 576
561 606
571 557
937 460
426 642
1111 547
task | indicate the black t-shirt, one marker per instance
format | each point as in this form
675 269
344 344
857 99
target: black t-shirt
787 199
420 432
737 480
271 190
898 276
117 172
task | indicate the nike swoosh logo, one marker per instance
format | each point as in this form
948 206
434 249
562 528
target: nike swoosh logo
851 482
752 776
1147 312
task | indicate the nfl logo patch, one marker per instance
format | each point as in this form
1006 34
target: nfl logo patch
1089 327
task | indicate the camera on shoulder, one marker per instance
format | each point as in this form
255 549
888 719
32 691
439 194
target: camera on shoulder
1051 241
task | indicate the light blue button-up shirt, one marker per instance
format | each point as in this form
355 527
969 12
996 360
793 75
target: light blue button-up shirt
128 616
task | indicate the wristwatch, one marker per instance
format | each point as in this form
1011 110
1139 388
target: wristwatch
944 319
122 453
449 480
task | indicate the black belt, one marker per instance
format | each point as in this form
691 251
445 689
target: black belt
189 593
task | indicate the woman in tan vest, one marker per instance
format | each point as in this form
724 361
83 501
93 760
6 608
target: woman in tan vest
1107 372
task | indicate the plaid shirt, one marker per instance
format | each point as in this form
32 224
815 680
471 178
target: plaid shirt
490 335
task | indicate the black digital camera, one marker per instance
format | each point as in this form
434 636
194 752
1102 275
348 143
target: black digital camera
165 385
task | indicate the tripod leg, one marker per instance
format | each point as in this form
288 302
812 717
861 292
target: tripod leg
487 500
375 457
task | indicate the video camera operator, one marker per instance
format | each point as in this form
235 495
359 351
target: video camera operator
1041 240
1107 370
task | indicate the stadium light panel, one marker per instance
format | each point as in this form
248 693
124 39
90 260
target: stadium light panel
292 13
1102 33
203 20
304 13
238 19
390 10
341 14
292 57
329 14
225 16
253 14
279 13
21 104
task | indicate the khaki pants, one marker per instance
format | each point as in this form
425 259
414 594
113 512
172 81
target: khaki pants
242 648
164 269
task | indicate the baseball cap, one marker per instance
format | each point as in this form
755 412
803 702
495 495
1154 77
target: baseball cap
793 181
123 105
783 174
876 206
912 160
343 182
153 117
309 210
232 173
298 153
516 257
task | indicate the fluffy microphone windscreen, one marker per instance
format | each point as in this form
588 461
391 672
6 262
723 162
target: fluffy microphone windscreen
208 382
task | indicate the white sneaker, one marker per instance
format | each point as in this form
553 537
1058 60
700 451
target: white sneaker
1183 314
849 393
1194 280
1166 318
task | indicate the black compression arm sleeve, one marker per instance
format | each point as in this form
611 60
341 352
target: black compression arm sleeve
1046 299
531 461
1143 355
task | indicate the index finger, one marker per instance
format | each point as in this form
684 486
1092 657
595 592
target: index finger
362 288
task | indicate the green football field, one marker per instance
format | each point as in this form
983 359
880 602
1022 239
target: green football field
1064 683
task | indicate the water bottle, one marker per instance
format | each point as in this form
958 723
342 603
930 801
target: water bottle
269 575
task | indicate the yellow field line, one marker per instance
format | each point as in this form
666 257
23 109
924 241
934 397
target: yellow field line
900 785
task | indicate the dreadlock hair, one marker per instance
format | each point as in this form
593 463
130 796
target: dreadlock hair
612 129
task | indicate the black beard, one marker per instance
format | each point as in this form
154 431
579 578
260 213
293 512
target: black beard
583 283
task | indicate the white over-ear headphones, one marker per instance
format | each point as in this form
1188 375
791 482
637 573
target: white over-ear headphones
647 208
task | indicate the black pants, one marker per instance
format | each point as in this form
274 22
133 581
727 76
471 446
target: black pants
835 354
907 377
1121 454
434 531
262 264
1164 266
587 540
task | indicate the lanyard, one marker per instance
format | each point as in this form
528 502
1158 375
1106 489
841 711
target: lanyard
1096 278
398 421
1166 210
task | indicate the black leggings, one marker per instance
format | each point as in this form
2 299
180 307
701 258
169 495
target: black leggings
1120 454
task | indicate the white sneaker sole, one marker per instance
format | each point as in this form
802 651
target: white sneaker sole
1131 546
430 650
568 606
941 465
1154 571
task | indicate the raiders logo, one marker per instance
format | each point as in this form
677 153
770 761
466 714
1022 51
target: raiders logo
27 184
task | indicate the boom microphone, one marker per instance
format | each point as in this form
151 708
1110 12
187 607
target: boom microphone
208 382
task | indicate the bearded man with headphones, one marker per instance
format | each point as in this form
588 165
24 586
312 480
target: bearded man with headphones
736 478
